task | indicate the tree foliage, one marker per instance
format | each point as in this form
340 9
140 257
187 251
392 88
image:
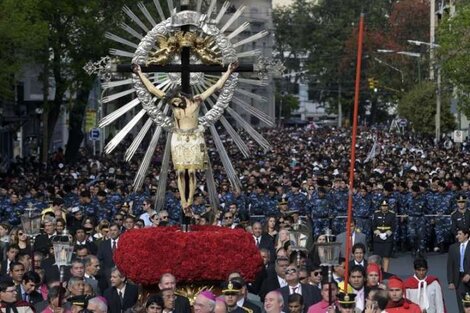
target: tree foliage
454 52
330 41
23 33
419 107
60 36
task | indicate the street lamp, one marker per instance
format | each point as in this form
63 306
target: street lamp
329 256
31 222
296 234
391 66
63 250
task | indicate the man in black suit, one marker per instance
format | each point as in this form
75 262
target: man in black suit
43 241
105 254
358 252
81 239
168 281
122 295
16 272
458 266
263 241
275 278
310 294
26 291
12 252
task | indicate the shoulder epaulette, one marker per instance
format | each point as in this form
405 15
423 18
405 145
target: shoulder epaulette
391 211
247 309
377 211
453 212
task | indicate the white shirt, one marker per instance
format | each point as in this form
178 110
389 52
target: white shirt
357 263
297 288
122 290
282 281
114 240
146 218
360 301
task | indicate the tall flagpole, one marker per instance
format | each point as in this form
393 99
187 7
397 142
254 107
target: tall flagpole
353 149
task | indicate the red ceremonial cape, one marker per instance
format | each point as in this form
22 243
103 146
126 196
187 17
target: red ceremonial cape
412 283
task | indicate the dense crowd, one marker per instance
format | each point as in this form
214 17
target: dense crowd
409 194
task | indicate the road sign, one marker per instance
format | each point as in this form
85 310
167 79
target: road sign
95 134
403 122
458 136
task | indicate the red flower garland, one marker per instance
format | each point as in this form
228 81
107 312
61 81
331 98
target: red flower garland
207 253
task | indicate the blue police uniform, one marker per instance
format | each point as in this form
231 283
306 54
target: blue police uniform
362 214
321 211
296 201
416 209
340 205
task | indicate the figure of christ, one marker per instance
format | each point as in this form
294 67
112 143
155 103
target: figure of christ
188 148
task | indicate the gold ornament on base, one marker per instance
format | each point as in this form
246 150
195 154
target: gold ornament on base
192 291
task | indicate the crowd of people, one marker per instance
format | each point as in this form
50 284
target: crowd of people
410 194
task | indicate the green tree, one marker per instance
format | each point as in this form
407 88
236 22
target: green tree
327 33
287 103
419 107
23 34
63 36
454 52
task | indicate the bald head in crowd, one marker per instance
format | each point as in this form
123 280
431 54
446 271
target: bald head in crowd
273 302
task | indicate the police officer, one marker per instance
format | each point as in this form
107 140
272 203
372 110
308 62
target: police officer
231 291
461 217
384 225
340 198
442 222
296 200
258 200
363 211
272 202
415 209
321 211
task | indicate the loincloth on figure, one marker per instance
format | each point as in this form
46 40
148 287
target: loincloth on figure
188 149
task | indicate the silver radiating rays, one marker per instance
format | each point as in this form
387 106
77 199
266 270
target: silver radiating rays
141 24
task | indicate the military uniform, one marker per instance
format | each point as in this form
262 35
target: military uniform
257 203
173 206
321 211
362 213
383 223
401 209
416 209
340 202
11 212
460 218
272 203
442 223
296 201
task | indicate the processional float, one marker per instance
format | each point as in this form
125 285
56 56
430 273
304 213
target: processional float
176 67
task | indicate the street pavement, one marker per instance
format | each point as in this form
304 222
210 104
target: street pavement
402 265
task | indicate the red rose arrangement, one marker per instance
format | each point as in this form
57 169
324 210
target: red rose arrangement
207 253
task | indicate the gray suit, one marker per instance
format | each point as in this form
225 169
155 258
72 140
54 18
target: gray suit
358 238
93 282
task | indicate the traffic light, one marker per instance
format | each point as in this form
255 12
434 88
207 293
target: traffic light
373 84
